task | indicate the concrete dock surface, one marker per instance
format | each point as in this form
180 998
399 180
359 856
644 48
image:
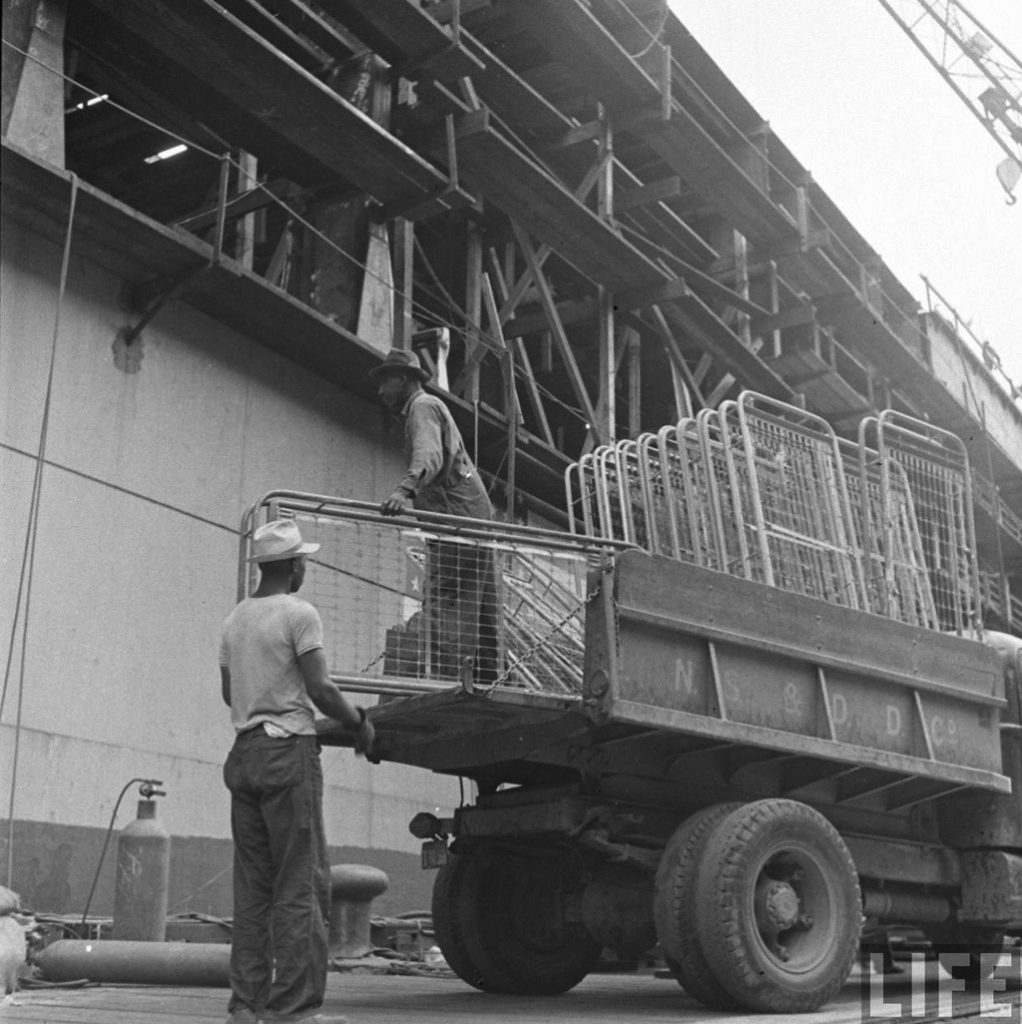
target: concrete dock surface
368 998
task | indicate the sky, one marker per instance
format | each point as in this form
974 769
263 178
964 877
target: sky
888 140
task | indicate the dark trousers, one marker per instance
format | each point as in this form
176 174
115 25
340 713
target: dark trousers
281 875
461 595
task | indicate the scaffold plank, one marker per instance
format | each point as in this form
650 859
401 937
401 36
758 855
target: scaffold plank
697 321
290 108
534 198
403 34
570 33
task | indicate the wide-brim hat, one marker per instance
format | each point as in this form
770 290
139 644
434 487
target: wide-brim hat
399 360
277 541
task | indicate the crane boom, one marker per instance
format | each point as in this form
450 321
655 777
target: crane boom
966 53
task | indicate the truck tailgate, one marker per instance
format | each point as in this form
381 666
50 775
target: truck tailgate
678 647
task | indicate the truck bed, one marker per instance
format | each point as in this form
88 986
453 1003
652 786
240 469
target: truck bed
685 661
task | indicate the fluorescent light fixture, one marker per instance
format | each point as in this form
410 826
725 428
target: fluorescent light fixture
166 154
88 103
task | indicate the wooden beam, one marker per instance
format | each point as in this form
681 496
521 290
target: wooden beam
557 330
576 311
682 287
443 10
468 382
793 316
481 344
302 18
232 78
248 172
512 409
703 367
279 34
632 344
584 187
721 388
245 202
404 260
522 356
605 157
574 136
607 403
698 323
278 270
644 195
403 34
534 198
675 355
574 36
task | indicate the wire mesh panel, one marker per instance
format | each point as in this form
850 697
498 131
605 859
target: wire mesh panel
588 497
574 499
936 466
699 525
608 493
724 470
444 603
862 482
632 494
766 490
665 465
795 500
543 626
659 507
896 577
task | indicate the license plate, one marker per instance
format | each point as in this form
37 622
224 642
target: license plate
434 853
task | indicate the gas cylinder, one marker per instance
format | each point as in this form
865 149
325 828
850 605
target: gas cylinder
143 875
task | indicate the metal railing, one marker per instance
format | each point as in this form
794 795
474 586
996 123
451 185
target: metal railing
767 491
427 601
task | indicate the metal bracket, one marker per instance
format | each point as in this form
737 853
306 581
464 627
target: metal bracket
468 674
129 335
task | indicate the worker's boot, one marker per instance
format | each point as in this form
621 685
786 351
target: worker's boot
313 1018
242 1015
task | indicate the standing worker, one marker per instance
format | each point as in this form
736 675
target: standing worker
440 477
273 676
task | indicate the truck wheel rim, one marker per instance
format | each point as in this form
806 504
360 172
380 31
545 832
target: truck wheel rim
793 906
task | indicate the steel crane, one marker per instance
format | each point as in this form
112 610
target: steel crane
985 75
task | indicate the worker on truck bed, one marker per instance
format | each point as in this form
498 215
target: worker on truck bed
440 477
273 678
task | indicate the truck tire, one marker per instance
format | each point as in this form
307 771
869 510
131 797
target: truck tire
778 909
514 916
674 908
448 909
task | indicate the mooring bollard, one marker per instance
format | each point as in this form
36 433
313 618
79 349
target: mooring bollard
353 887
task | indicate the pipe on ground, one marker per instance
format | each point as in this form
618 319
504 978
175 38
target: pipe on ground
143 963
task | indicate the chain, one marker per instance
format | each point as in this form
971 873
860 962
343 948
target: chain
554 629
379 657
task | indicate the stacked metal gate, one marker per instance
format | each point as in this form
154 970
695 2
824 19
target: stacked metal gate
414 604
767 491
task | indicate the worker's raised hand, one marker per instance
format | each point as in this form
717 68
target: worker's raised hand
397 504
365 736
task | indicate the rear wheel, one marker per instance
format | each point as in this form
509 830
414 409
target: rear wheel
508 922
778 909
674 908
452 905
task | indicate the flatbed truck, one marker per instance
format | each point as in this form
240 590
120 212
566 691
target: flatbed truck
748 781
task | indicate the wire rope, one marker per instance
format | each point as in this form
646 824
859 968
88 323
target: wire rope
31 533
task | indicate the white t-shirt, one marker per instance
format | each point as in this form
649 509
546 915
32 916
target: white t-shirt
261 642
